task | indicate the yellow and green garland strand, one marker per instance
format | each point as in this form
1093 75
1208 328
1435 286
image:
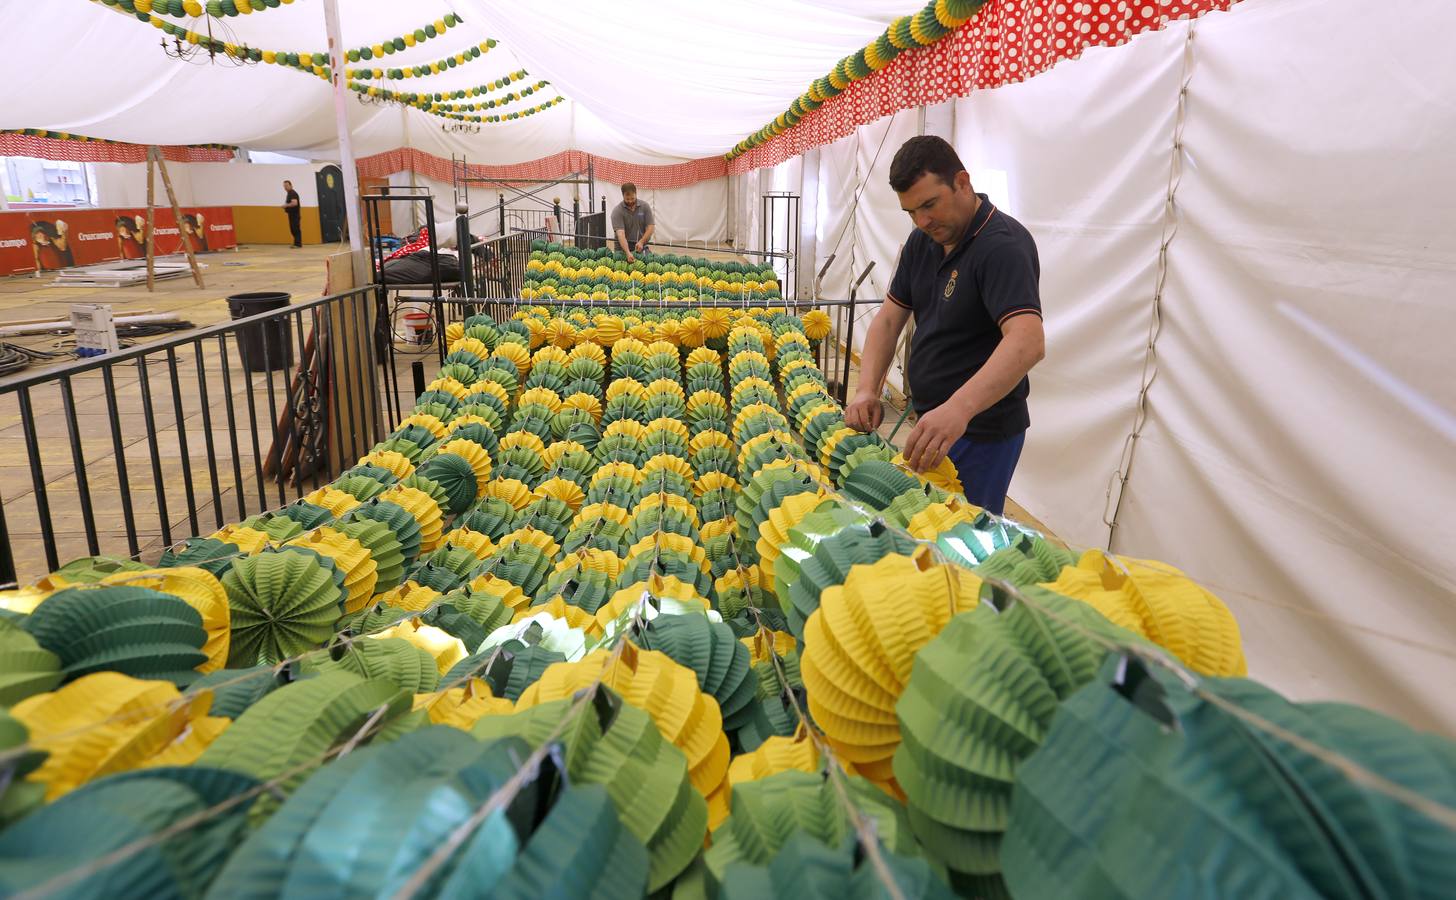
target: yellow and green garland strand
418 36
192 9
494 102
429 102
427 69
503 117
316 62
219 9
938 19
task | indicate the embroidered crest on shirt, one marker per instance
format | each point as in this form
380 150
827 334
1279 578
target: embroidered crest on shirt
950 285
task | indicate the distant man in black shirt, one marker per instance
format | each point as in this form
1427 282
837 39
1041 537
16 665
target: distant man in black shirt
295 212
968 274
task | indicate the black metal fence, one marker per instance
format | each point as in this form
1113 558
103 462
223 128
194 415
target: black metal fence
131 452
182 436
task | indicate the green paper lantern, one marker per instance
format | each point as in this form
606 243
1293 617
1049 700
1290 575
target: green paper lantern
283 603
132 630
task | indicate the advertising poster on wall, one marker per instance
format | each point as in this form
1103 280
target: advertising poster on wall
53 239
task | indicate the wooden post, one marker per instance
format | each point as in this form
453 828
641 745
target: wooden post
155 152
151 224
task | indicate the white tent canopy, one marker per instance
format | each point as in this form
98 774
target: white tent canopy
650 82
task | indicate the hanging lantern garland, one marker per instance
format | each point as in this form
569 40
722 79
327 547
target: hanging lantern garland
430 102
494 102
315 62
433 68
418 36
447 96
192 9
519 114
217 9
913 32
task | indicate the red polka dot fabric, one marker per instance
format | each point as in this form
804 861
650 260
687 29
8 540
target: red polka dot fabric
1009 41
102 151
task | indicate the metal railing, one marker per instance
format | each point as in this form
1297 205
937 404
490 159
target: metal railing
130 452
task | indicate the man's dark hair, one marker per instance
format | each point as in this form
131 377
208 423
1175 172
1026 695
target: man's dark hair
629 188
923 155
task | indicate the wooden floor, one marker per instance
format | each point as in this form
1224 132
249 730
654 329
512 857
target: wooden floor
26 298
180 435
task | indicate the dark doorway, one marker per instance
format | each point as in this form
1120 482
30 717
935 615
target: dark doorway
330 203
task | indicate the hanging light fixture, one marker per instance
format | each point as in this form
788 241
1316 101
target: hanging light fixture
220 48
460 128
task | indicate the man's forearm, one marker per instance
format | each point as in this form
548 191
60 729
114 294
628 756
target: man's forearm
647 235
622 243
1012 359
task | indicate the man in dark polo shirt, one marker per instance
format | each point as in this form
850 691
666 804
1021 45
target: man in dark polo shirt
968 274
632 223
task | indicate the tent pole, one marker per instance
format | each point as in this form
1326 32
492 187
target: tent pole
337 63
151 223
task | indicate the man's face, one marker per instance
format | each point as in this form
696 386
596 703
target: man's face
630 200
940 210
288 185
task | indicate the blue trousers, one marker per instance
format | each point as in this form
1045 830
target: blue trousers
985 469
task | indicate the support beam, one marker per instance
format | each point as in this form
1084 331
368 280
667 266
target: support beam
151 224
155 153
337 63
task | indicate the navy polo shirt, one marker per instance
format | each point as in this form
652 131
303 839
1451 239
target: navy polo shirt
960 299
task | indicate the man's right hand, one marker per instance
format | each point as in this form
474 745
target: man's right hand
630 257
864 413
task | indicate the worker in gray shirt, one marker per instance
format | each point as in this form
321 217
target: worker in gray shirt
632 222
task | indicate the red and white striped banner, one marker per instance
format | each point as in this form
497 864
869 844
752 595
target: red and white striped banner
103 151
558 165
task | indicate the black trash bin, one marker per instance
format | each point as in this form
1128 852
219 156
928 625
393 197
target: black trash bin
265 345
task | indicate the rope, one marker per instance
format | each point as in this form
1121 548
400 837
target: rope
1120 477
859 191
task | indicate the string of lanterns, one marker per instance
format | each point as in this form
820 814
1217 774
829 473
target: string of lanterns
422 71
417 99
503 117
317 63
936 20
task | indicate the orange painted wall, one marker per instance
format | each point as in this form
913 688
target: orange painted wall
269 225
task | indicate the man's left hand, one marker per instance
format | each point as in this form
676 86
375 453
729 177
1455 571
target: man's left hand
931 438
639 247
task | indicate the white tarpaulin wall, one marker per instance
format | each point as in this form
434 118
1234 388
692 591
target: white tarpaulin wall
1297 454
